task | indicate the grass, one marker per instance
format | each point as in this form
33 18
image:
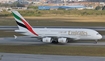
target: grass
56 22
102 32
55 50
5 33
51 21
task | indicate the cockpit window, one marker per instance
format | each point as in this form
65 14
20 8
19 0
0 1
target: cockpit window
98 34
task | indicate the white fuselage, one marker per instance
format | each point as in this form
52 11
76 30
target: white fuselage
75 34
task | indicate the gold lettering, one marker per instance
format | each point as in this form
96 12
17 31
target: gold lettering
82 33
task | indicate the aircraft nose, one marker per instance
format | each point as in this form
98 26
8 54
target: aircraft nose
100 36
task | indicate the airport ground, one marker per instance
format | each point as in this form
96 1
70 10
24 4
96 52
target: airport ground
57 21
35 57
55 49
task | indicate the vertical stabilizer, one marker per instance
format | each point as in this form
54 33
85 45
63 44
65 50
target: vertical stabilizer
22 23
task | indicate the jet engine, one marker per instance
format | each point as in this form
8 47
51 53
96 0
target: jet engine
47 40
62 40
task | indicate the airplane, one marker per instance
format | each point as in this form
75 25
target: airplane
54 35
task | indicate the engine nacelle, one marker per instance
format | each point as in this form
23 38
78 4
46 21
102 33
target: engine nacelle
46 40
62 40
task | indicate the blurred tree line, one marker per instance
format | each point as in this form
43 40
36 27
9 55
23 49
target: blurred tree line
56 12
100 8
15 4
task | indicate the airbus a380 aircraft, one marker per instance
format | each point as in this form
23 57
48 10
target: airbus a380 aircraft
50 35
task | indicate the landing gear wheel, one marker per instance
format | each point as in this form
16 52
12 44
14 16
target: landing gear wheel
96 41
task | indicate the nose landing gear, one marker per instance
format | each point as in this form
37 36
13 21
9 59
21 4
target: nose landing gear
96 41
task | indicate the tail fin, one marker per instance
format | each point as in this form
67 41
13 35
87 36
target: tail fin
22 23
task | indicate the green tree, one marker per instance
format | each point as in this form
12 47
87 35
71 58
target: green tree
20 5
98 8
103 8
14 4
33 7
5 5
